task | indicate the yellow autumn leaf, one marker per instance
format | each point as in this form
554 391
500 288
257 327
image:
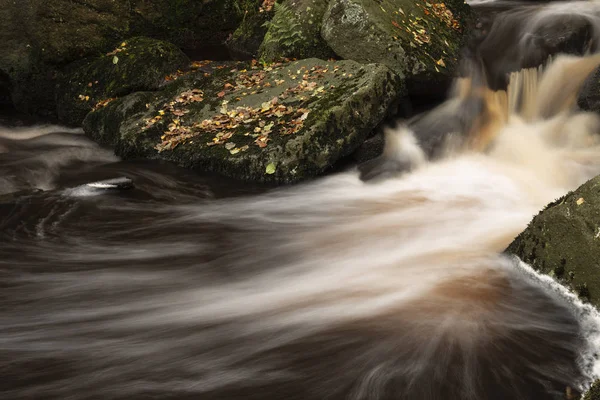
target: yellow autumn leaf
270 169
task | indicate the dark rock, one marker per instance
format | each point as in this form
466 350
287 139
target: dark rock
564 241
370 149
418 40
244 43
594 392
527 36
281 123
189 24
589 95
40 37
137 64
295 32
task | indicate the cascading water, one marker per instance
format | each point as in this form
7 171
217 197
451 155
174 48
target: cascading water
334 289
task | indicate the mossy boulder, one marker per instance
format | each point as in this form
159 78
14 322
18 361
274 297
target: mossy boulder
295 32
38 37
418 40
594 392
41 37
277 123
137 64
245 41
190 24
564 241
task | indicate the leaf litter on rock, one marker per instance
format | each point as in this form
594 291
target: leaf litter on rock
271 117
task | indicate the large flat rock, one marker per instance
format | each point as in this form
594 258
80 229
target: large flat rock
276 123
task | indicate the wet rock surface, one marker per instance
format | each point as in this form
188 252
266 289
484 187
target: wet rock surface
563 241
40 38
275 123
589 95
527 36
418 40
295 31
137 64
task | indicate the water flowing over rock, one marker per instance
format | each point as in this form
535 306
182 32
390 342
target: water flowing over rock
563 241
418 40
137 64
526 37
277 123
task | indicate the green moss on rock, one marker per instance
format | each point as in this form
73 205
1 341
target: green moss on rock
310 114
564 241
41 37
594 392
245 42
418 40
295 32
137 64
188 23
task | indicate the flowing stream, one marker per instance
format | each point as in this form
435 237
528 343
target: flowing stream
195 287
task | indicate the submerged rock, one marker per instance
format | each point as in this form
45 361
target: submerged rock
295 32
137 64
564 241
418 40
279 123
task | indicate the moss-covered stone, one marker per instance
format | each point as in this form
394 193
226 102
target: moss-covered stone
564 241
40 37
280 123
594 392
137 64
188 23
295 32
418 40
244 43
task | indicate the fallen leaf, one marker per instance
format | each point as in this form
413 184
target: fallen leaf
115 60
580 201
270 169
220 94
